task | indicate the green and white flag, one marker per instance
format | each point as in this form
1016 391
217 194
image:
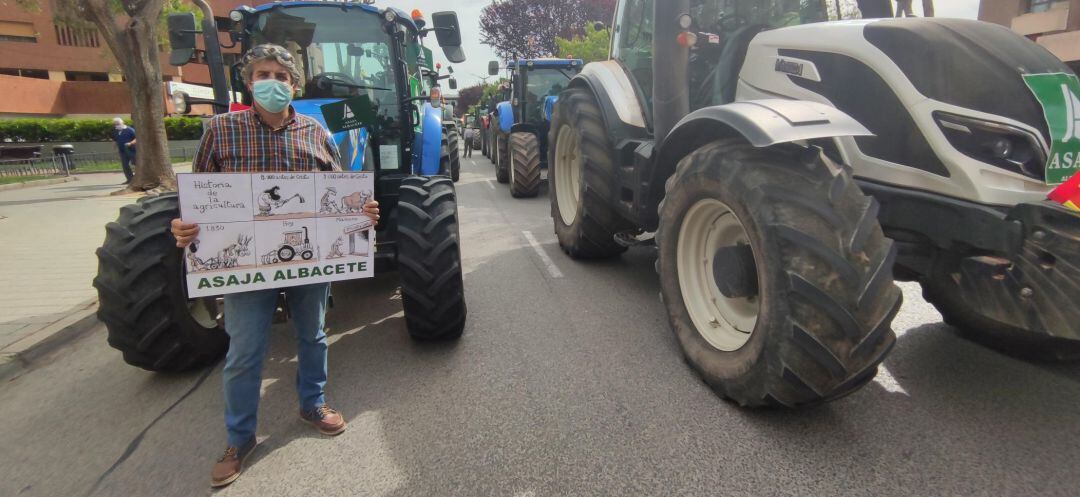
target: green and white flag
1059 94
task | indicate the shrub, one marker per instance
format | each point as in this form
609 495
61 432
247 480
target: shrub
86 130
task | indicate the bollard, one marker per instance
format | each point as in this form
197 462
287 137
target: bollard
64 153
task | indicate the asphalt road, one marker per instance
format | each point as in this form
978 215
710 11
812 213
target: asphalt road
567 382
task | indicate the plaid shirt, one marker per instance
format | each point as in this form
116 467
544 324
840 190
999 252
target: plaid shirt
239 142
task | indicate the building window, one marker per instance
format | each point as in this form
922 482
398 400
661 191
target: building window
1039 5
26 73
86 76
77 37
18 32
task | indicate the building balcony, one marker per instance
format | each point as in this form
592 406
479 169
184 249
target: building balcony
1066 46
1051 21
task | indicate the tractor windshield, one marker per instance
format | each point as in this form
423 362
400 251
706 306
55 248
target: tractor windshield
341 52
542 83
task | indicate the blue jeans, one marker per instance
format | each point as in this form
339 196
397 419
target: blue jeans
248 317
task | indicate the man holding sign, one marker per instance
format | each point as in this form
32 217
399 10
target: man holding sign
269 137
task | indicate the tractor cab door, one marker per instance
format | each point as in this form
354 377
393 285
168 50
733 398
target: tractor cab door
632 46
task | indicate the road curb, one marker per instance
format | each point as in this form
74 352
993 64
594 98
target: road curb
39 182
18 357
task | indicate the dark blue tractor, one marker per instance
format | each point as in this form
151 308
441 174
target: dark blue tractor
354 51
522 121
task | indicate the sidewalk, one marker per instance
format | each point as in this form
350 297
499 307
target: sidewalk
48 235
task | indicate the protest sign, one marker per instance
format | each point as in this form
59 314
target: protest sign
274 230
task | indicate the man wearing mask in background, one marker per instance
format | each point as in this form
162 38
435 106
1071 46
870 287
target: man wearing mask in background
124 136
269 137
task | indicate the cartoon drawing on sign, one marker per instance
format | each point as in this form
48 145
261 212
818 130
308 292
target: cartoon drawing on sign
271 200
295 243
354 203
226 258
328 202
352 236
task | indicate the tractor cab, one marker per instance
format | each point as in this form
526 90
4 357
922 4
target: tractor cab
348 51
535 85
717 33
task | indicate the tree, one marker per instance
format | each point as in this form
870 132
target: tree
130 29
591 47
528 28
468 97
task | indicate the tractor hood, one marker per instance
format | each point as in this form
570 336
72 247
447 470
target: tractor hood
970 64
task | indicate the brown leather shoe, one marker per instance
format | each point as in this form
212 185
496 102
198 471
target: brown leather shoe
231 464
325 419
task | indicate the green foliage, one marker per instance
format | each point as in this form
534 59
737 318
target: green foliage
86 130
590 48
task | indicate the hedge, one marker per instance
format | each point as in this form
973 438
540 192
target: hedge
86 130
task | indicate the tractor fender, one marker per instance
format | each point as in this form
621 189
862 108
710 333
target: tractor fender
430 139
525 128
549 106
618 99
761 122
505 111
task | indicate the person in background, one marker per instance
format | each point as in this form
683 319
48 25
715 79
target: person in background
124 136
470 138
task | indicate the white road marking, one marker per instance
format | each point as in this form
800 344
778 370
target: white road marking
552 269
888 382
490 183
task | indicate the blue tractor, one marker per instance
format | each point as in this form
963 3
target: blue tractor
351 51
522 121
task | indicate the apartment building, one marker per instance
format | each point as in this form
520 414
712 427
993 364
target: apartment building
1054 24
51 69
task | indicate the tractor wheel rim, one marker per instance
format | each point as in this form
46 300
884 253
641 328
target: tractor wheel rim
511 161
203 310
567 174
726 323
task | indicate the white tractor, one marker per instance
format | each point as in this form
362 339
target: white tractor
792 168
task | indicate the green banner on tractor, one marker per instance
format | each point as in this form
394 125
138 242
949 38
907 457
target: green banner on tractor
351 113
1059 94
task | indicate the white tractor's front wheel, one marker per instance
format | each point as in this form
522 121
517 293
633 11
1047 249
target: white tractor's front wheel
775 274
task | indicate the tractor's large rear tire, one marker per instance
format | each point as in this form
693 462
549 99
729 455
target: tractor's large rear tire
454 147
524 165
580 155
809 300
942 290
429 258
142 297
502 158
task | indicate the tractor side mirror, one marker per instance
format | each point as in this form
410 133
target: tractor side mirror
449 35
493 68
453 83
181 37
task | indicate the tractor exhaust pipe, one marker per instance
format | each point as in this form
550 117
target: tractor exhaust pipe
671 98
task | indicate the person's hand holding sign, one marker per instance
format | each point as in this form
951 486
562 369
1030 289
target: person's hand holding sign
186 233
371 209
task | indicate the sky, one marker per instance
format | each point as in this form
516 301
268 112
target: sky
477 54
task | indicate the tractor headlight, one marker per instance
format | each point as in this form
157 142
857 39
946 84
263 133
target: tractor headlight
180 102
236 16
389 15
1002 145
